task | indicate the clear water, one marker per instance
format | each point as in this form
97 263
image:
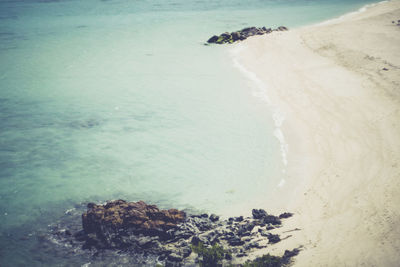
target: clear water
120 99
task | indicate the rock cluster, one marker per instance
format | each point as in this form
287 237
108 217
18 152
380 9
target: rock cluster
242 34
169 235
115 223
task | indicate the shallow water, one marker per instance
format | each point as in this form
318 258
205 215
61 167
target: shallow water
120 99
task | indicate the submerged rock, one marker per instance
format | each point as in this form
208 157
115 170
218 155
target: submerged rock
282 28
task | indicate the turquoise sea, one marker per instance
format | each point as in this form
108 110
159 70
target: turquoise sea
116 99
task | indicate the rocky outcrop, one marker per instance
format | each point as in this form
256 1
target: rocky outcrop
103 224
242 34
166 236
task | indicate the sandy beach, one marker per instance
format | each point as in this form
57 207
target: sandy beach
337 85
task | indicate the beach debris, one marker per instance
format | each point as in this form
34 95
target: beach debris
168 236
398 22
241 35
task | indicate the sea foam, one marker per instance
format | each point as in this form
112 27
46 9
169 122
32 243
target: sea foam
260 90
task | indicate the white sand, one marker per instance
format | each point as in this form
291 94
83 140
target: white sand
342 125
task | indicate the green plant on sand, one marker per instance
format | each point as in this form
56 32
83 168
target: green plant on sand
266 261
210 257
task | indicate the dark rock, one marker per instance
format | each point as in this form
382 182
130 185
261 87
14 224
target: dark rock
203 224
263 233
186 251
174 257
227 235
179 234
249 31
270 227
146 241
228 256
282 28
385 69
199 239
165 236
162 257
239 219
226 35
93 241
273 238
251 245
235 241
195 240
245 229
271 219
212 238
285 215
235 36
214 218
169 263
224 38
291 253
242 34
212 39
259 213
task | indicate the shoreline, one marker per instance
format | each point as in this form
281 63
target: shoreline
335 83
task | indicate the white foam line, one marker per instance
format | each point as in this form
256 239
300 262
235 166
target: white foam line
261 91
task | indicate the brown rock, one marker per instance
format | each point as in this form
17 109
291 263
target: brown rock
138 216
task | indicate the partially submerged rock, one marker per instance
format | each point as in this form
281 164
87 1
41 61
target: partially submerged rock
103 223
242 34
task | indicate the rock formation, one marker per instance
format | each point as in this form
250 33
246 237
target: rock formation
103 224
242 34
167 236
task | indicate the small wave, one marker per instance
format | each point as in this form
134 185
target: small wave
69 211
261 91
350 14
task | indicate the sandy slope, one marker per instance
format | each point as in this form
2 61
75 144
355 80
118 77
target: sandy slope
342 125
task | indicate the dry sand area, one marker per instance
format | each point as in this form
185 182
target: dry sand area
338 86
